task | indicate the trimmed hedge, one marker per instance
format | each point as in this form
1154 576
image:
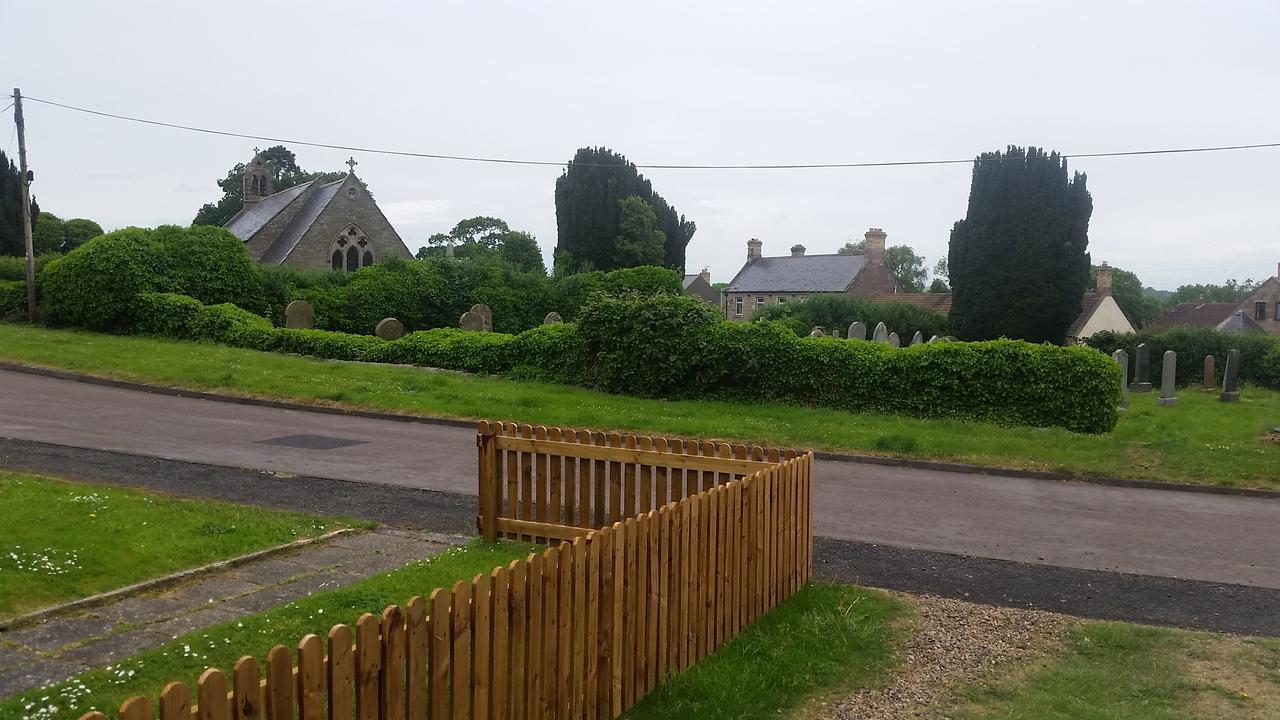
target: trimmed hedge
13 298
838 312
1259 353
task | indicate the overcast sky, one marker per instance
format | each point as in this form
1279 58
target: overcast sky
677 82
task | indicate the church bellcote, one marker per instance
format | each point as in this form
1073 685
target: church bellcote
257 179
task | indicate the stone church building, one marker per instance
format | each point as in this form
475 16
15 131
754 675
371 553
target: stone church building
315 225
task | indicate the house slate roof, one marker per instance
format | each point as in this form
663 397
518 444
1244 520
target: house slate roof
937 302
807 273
1239 322
1195 314
302 222
251 218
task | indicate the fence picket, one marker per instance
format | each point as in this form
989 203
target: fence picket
592 650
341 674
578 658
533 658
211 696
135 708
548 690
279 684
564 643
481 631
417 640
616 646
615 481
246 693
540 509
438 626
175 702
630 491
311 678
460 663
500 592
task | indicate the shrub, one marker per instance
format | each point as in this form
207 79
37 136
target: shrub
550 353
1192 345
411 291
643 280
14 267
209 264
13 297
282 284
453 349
165 314
840 311
643 346
328 345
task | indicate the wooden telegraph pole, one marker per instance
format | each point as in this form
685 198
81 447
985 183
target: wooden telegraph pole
26 204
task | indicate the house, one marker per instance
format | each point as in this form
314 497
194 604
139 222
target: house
333 225
1258 312
766 281
699 286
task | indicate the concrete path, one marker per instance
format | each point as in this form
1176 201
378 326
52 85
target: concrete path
1213 538
36 655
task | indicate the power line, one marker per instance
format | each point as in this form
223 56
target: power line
6 108
509 161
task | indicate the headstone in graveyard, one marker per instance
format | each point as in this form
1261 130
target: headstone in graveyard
389 329
894 341
1122 357
1208 383
1168 373
917 338
881 334
299 315
858 330
1231 377
484 311
1142 370
817 332
934 339
552 318
471 321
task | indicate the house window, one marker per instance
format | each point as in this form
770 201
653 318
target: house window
1260 311
782 301
737 307
759 302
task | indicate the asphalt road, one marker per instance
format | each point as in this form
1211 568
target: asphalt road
1193 536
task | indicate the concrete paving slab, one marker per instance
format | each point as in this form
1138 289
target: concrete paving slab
116 647
59 632
35 674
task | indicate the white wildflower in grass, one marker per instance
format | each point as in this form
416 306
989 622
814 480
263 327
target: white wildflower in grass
47 562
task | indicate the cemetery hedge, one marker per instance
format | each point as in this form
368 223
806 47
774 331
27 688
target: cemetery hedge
1259 353
13 297
837 312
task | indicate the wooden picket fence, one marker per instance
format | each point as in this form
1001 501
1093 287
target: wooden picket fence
582 630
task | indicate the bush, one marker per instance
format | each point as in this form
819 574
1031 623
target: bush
13 298
179 316
550 353
644 280
643 346
95 285
453 349
840 311
14 267
1192 345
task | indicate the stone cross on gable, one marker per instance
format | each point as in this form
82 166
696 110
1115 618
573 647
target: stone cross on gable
351 165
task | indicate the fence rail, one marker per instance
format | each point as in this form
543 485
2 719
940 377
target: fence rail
582 630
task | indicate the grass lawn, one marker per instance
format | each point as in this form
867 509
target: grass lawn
220 646
826 638
1118 671
1200 440
61 540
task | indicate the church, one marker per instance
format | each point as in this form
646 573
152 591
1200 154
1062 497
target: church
315 225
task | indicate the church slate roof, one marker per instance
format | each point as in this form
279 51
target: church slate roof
806 273
252 218
302 222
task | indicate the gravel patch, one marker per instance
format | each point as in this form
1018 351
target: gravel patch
951 642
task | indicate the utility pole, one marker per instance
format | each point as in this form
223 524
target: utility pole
26 204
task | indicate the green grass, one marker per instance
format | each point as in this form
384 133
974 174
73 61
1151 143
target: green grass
60 540
184 658
823 639
1119 671
1200 440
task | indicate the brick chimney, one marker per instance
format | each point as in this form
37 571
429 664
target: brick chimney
1278 269
874 248
705 275
1104 279
797 251
754 250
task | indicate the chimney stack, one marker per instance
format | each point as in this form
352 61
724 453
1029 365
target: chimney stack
797 251
705 275
1104 279
874 247
1278 269
753 250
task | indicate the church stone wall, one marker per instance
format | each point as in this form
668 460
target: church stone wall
351 204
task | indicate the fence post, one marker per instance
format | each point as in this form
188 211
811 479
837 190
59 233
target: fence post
487 465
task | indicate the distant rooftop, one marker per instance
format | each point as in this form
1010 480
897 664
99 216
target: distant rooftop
806 273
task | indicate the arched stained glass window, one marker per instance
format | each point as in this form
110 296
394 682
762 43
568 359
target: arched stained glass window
368 258
337 259
353 259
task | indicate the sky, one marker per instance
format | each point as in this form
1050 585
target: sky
676 83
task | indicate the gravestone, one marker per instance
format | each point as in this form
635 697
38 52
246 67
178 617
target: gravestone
484 311
817 332
934 339
881 334
1142 370
1231 377
471 321
1168 372
918 338
389 329
552 318
1208 383
858 331
299 315
894 341
1122 357
835 332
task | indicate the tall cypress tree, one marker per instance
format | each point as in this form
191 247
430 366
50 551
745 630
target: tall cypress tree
11 242
1018 262
587 212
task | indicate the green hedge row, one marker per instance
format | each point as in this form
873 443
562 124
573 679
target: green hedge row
13 298
1259 353
675 347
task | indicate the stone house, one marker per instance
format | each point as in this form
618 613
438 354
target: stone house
1263 304
699 286
1259 312
764 281
335 225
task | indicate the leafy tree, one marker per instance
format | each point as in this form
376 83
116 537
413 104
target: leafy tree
11 240
588 213
48 234
1018 262
1232 291
1126 288
639 240
939 286
287 174
78 231
853 248
940 269
907 267
487 236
